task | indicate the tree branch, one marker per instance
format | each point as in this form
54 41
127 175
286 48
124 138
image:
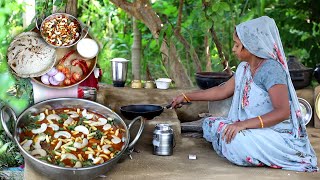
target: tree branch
141 10
178 28
223 58
123 4
206 42
185 43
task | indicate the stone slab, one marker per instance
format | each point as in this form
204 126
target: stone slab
168 116
220 108
115 97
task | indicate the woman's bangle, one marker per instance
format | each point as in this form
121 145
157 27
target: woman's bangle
261 122
186 98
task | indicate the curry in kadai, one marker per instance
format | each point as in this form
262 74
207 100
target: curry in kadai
71 137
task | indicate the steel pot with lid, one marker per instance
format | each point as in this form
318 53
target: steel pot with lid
58 172
301 76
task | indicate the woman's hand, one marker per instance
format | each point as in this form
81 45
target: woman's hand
177 101
232 130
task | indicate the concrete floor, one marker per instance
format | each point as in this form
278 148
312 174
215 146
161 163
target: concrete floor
208 164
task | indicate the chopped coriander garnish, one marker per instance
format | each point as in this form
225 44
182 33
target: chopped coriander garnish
73 161
80 122
64 116
71 127
61 164
98 134
32 126
87 163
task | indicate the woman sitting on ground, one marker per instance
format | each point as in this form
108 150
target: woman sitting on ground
264 126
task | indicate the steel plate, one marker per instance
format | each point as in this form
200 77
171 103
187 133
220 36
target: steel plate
317 106
306 110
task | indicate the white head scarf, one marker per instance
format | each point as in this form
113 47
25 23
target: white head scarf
261 37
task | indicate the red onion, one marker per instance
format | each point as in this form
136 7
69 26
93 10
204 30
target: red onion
59 77
53 81
53 71
45 79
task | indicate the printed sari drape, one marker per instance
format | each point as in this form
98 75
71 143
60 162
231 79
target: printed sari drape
285 145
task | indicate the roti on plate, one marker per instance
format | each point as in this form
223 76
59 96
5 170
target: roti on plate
30 56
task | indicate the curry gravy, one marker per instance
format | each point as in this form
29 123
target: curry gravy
100 138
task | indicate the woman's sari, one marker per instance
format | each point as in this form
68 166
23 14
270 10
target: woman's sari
285 145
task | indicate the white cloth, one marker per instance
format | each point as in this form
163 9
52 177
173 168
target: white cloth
41 93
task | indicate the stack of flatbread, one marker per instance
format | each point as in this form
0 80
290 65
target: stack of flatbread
30 56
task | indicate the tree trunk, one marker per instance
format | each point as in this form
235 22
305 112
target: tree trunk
176 71
148 74
141 10
136 51
70 8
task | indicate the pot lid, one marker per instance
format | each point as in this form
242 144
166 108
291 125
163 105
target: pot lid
294 64
119 60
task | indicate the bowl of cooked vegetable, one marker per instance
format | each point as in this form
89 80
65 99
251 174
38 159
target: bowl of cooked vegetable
62 30
70 138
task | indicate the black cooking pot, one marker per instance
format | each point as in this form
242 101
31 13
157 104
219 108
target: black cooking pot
301 78
316 73
206 80
148 111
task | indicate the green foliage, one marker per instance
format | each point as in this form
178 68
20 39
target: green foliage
299 26
11 24
298 22
9 152
14 91
112 26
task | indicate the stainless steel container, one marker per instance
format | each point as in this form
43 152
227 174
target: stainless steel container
163 140
119 71
89 93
